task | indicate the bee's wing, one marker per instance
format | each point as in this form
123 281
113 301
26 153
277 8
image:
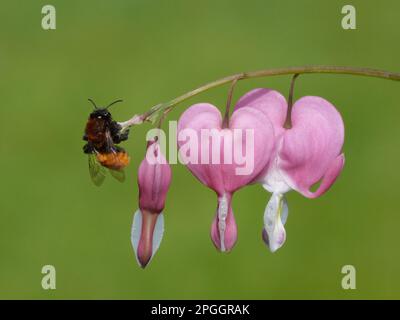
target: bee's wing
118 174
96 170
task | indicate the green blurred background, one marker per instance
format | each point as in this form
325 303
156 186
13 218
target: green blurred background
148 52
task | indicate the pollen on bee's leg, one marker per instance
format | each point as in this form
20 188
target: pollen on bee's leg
123 158
147 232
115 161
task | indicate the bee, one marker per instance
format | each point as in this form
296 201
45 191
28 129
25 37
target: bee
103 134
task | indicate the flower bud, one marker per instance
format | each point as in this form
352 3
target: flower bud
154 178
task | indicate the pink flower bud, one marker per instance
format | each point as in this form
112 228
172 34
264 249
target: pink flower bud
154 178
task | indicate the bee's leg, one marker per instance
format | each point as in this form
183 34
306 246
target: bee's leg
116 134
115 129
124 135
85 137
118 149
88 148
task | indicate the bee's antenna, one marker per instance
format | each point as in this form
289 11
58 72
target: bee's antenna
94 105
116 101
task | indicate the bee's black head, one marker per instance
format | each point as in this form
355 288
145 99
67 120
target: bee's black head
100 114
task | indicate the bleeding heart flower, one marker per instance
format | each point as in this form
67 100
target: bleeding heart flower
154 178
220 164
308 152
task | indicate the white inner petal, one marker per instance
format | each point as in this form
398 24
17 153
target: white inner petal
275 217
222 214
136 233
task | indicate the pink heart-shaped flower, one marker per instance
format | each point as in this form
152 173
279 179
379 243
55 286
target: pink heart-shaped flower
307 153
224 159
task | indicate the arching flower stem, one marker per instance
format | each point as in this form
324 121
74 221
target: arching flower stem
153 113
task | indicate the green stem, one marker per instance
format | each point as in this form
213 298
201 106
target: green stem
225 122
366 72
288 121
